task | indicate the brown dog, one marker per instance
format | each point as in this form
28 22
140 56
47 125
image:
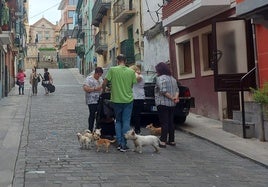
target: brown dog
154 130
102 142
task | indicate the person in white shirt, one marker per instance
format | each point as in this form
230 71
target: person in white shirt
93 89
139 96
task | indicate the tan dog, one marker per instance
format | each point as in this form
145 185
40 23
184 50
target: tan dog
140 141
83 140
154 130
102 142
88 134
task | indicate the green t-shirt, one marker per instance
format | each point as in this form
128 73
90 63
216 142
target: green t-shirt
122 79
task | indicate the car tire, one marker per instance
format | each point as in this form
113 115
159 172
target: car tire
179 119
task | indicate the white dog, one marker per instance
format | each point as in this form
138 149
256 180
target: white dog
83 140
140 140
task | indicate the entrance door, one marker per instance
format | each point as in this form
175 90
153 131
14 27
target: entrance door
233 55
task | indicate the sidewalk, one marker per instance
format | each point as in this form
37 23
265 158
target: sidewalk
211 130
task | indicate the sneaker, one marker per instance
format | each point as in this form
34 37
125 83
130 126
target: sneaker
118 147
123 149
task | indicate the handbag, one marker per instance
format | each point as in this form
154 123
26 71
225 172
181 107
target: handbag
51 88
38 79
17 82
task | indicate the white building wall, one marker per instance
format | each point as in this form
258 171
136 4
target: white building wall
157 48
155 51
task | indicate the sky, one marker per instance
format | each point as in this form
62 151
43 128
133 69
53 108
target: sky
44 8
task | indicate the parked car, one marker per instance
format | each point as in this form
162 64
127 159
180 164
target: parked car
182 108
150 113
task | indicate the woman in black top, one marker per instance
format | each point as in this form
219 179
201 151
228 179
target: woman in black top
47 80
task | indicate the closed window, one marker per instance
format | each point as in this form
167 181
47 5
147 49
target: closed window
184 54
206 50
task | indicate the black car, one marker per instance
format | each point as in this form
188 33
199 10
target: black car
150 111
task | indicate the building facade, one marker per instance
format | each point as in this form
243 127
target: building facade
67 43
156 44
42 44
13 36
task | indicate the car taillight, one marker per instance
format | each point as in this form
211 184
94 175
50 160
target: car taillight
187 93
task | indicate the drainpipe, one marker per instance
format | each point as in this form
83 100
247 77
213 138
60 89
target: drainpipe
140 31
255 52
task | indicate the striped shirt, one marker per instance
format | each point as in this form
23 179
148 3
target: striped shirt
164 84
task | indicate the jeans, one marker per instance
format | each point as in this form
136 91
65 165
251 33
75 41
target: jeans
122 121
21 88
92 115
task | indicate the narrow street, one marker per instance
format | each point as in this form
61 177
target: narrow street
50 155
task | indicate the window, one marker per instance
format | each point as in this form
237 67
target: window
70 26
70 13
73 2
206 50
40 36
47 36
184 54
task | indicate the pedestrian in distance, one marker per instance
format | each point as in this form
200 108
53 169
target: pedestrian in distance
20 81
34 80
166 98
47 79
122 79
139 96
93 88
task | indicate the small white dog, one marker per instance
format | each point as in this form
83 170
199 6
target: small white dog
83 140
140 140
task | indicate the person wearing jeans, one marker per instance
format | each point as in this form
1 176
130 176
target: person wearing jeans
122 80
122 116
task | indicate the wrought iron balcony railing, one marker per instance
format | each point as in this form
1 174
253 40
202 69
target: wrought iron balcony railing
123 10
99 10
100 42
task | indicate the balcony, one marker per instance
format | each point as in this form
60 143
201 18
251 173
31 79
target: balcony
258 10
189 12
100 42
5 37
123 10
99 10
127 48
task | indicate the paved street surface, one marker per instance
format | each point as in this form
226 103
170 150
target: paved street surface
50 156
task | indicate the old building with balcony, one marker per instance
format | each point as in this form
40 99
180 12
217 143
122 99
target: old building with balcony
67 42
13 35
127 16
85 33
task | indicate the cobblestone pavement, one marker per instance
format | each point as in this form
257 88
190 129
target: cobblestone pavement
50 155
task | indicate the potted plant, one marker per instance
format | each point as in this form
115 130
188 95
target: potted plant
261 96
4 16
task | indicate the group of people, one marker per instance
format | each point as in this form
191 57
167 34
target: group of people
127 97
34 80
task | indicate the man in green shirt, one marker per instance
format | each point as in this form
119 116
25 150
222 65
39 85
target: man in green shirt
122 79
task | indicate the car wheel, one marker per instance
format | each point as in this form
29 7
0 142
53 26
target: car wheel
179 120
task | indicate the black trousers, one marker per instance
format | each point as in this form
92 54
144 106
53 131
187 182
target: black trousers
92 115
166 115
136 117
